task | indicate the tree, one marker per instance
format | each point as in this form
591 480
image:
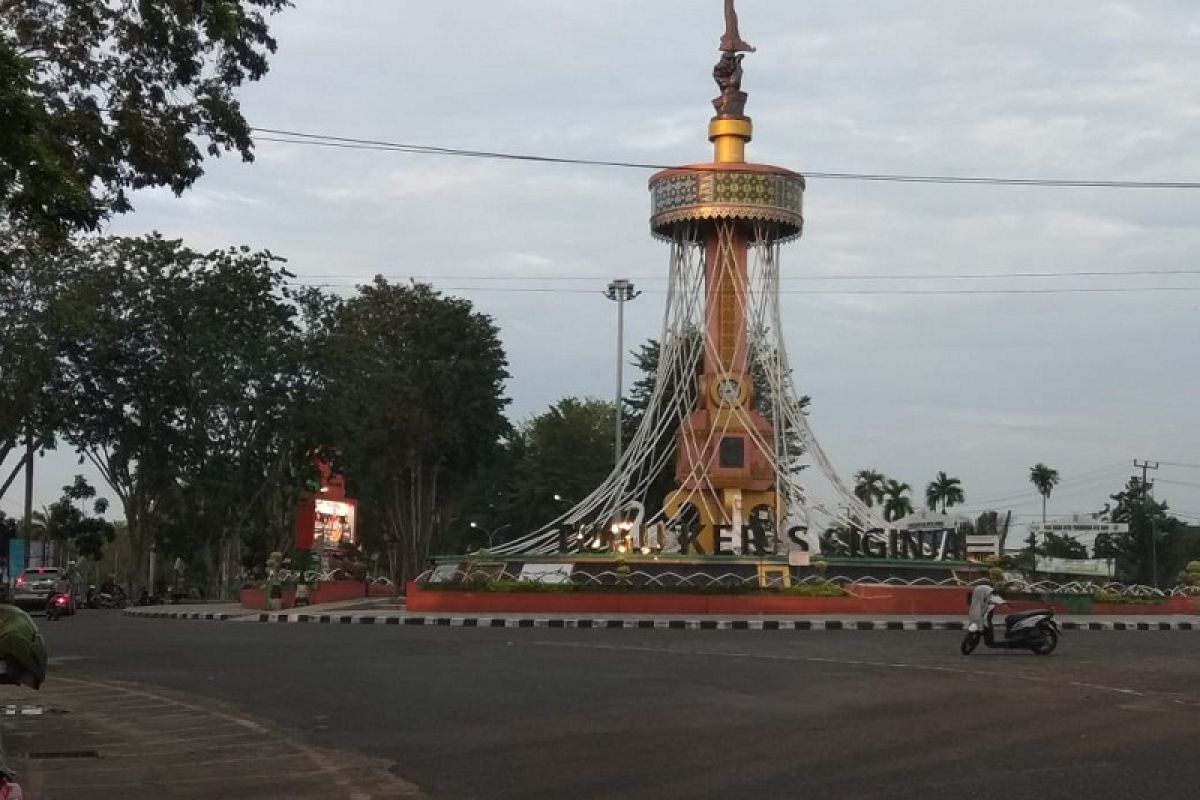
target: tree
1155 546
868 486
66 523
1044 479
1056 545
989 523
1106 546
488 499
36 309
103 96
177 375
646 359
896 503
945 490
567 452
414 398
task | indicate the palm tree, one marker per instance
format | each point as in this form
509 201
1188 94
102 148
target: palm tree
868 486
896 503
945 490
1044 479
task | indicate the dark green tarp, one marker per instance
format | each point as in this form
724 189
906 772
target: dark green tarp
21 648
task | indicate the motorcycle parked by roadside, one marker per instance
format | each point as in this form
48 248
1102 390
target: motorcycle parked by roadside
111 599
1036 630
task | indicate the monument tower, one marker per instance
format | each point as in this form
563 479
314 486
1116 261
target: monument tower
723 419
726 453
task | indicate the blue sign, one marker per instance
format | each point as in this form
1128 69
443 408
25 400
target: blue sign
16 556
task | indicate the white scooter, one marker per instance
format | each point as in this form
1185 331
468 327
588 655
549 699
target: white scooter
1027 630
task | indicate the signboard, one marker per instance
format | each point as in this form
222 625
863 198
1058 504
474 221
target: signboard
1078 525
334 524
445 573
16 557
933 544
1089 567
546 573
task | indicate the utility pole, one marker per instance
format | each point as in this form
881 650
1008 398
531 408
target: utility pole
1145 466
28 494
620 291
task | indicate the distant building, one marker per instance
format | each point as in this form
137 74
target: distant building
978 547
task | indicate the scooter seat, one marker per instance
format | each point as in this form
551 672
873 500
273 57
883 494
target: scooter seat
1013 619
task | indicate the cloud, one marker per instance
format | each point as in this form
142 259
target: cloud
979 385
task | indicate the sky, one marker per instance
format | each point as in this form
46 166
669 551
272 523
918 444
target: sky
910 368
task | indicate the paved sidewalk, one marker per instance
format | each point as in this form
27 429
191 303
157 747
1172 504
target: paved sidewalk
222 612
352 613
84 740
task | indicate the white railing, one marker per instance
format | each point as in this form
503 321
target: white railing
704 580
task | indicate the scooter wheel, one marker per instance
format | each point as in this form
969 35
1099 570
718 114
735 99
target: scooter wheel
1048 641
969 643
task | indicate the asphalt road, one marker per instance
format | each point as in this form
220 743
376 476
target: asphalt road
537 713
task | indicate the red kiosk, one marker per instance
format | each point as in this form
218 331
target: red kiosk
327 521
326 526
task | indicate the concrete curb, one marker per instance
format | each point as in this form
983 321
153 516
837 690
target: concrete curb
660 624
204 615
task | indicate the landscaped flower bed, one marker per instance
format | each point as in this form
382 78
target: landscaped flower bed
520 597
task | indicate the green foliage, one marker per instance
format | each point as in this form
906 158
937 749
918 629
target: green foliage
1055 545
66 522
945 491
868 486
896 503
568 451
8 528
1044 479
98 97
990 523
413 400
1115 598
182 381
814 589
36 313
646 359
485 585
996 566
1156 546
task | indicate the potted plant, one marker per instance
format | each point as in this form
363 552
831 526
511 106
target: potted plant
274 589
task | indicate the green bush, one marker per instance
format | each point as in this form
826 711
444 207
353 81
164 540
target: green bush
1101 596
821 589
815 589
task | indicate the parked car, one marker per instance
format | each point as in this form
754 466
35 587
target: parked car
36 585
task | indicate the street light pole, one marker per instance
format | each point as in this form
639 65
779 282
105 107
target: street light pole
620 291
489 533
1145 467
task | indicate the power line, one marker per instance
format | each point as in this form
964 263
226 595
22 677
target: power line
1088 480
836 292
1178 483
960 276
278 135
